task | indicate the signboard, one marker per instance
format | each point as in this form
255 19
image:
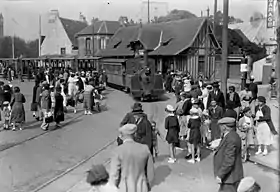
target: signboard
243 67
270 13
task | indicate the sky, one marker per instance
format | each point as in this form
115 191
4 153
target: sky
21 17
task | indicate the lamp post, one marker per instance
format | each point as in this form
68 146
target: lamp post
224 71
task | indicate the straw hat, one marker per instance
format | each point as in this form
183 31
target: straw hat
169 108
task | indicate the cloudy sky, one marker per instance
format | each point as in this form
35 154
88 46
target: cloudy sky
21 16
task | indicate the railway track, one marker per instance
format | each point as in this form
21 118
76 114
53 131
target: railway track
77 165
12 145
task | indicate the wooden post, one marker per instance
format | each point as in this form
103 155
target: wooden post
224 74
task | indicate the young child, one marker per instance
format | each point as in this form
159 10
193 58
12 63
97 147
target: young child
155 133
195 137
7 114
173 128
205 125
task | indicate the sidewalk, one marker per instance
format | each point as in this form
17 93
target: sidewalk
272 159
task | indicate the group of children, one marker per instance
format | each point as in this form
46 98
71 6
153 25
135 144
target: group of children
189 132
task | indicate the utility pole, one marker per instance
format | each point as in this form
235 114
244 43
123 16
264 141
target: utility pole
278 51
13 46
148 11
40 35
224 71
215 16
207 44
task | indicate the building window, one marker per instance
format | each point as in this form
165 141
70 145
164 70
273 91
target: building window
88 51
201 64
103 43
63 51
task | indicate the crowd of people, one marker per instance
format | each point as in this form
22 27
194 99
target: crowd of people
203 116
54 93
200 105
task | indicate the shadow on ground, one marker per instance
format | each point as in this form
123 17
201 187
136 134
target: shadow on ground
161 173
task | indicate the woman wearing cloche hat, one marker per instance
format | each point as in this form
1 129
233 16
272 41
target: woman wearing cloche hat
173 128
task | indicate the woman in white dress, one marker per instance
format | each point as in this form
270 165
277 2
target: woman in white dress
263 129
98 179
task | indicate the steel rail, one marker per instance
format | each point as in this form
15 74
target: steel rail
67 171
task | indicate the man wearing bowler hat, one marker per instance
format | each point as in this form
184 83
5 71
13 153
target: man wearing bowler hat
131 166
228 168
216 95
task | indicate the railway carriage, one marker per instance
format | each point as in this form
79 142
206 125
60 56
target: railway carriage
134 76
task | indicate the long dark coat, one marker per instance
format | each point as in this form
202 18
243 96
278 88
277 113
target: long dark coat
215 117
58 108
144 127
219 98
18 112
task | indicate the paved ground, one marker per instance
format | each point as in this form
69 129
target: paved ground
181 176
27 166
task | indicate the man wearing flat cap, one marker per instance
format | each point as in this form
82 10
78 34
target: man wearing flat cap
131 168
228 168
144 127
216 95
248 184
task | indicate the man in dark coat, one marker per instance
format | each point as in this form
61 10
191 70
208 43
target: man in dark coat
253 87
228 168
233 100
144 127
216 95
178 88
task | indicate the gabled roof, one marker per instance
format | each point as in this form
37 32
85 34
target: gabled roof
101 27
72 27
256 31
170 38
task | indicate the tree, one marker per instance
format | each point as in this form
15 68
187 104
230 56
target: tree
124 20
175 15
237 45
22 48
219 18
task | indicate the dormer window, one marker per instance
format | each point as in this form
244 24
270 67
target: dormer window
165 43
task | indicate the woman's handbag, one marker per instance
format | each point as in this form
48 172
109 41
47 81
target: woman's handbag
33 106
49 118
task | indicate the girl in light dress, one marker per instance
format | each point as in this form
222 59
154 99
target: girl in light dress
246 132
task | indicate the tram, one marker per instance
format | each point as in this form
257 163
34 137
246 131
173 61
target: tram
136 76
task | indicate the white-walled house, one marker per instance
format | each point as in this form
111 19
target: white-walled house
58 34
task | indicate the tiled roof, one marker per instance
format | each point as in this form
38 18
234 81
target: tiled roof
72 27
256 31
101 27
169 38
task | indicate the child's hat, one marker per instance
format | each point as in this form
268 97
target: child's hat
6 103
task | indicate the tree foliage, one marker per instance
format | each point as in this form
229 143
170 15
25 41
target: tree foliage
174 15
219 18
22 48
237 45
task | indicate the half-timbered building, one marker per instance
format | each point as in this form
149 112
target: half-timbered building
185 45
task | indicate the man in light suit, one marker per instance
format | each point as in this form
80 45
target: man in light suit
228 168
132 168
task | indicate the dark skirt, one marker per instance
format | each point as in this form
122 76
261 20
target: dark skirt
195 136
88 101
172 136
18 113
58 115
